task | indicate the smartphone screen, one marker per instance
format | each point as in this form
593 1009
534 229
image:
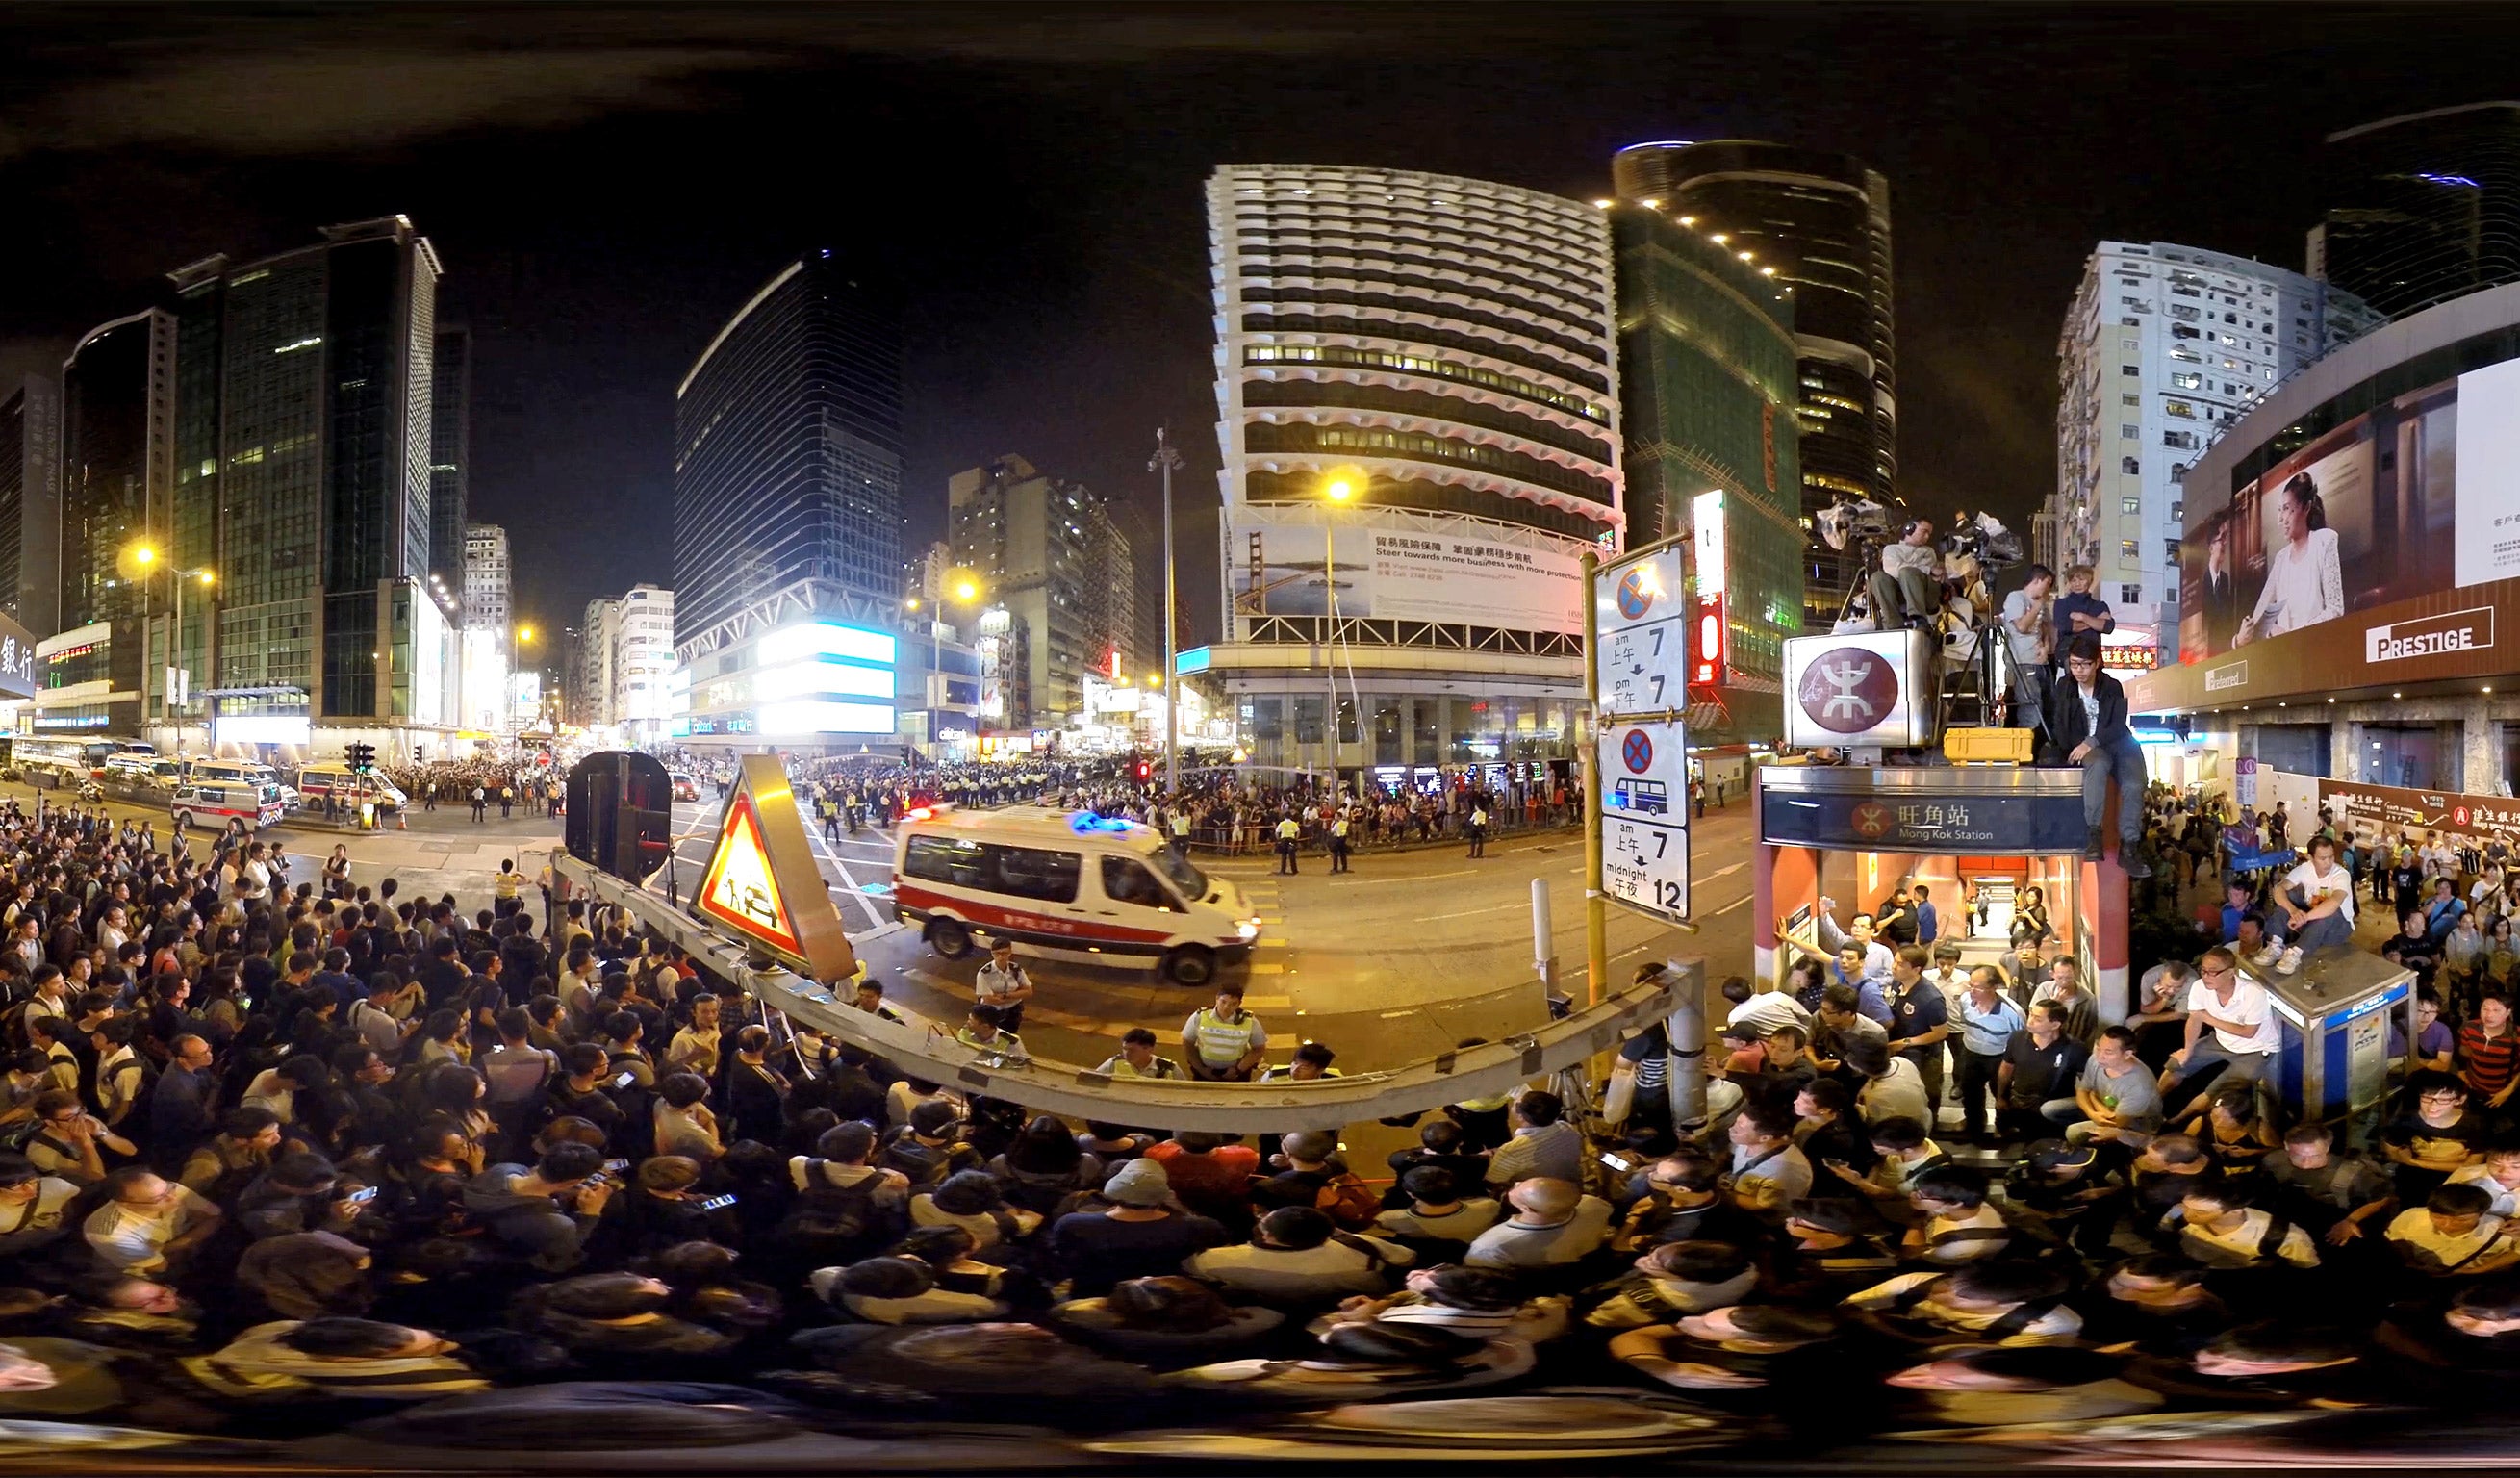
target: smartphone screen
616 1166
717 1202
625 1080
1618 1162
362 1196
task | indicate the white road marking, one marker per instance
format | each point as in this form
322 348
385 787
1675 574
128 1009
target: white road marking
1722 872
1367 883
814 839
1729 907
1470 913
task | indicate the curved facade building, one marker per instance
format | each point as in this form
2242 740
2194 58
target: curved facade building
2374 644
788 462
1447 351
2423 208
1823 221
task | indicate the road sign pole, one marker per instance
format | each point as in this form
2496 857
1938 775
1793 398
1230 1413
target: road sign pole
1596 921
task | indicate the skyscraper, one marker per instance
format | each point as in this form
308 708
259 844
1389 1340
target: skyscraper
788 514
30 505
1418 414
787 460
1823 221
1046 549
2165 345
450 456
118 470
302 453
1707 390
487 588
2423 208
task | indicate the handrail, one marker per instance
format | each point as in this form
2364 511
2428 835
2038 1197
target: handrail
1047 1086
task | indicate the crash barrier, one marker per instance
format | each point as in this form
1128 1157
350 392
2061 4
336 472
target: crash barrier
1047 1085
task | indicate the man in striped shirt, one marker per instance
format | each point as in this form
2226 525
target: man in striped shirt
2489 1050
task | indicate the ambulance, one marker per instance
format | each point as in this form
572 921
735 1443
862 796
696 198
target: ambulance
1069 885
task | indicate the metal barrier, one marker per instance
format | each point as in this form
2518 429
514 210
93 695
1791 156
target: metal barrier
1045 1085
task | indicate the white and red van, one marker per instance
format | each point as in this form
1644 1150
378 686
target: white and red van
1068 884
212 791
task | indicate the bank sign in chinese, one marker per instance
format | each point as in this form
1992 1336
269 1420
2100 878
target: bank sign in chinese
1923 823
16 661
2387 810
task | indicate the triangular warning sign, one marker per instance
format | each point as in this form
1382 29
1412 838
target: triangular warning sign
761 881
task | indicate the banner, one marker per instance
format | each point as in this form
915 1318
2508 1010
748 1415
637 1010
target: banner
2387 810
1471 576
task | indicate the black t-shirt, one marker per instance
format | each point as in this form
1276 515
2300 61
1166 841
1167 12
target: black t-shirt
1915 1011
2409 1131
2040 1073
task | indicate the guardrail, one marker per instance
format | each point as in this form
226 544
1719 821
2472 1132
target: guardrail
1047 1086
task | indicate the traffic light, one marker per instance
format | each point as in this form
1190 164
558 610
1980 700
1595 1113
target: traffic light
1145 769
362 756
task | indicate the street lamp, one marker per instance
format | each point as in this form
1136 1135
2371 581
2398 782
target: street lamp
1166 459
1344 486
137 562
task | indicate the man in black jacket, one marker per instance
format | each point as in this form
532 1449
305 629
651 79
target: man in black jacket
2086 726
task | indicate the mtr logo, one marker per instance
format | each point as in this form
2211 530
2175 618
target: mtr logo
1849 691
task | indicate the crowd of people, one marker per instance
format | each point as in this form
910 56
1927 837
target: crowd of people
282 1156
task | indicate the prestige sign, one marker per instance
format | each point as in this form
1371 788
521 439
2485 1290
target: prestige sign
2466 630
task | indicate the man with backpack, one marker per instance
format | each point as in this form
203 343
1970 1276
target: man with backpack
845 1205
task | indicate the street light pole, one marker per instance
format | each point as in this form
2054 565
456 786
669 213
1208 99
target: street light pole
1166 457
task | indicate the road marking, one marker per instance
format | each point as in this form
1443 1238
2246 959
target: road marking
1268 1003
1271 918
1269 944
1468 913
814 841
1265 969
1723 873
1729 907
1367 883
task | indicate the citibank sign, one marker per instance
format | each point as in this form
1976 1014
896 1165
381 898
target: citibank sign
2468 630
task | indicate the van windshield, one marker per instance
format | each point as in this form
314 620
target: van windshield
1181 874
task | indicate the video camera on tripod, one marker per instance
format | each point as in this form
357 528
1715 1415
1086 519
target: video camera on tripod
1982 536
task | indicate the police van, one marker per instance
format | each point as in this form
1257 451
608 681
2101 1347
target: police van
211 792
1069 886
317 782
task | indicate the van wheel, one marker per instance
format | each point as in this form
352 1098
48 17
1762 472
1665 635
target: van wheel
1190 964
949 939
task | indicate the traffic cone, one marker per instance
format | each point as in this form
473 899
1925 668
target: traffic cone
402 822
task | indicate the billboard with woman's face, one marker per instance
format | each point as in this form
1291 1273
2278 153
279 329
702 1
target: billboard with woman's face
2357 518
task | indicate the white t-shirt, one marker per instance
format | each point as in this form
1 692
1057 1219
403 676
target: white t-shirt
2024 644
2248 1005
2313 887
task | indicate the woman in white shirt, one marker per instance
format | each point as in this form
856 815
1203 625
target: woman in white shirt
2305 580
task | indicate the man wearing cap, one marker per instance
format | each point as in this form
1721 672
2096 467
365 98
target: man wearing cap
1002 983
1892 1087
1140 1232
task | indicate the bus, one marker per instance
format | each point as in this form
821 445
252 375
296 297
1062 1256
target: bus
59 761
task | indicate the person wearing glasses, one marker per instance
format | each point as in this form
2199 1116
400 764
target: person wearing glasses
2231 1025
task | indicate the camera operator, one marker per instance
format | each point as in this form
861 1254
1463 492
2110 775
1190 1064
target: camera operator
2027 629
1907 586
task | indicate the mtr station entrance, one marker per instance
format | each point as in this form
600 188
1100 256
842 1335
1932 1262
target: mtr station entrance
1996 848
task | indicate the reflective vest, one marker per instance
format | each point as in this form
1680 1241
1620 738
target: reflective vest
1222 1043
1288 830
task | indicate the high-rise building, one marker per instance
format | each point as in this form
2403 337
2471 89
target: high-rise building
641 661
117 472
303 386
2423 208
1417 402
1707 390
1046 550
788 510
589 698
2163 346
450 456
487 580
1823 221
30 505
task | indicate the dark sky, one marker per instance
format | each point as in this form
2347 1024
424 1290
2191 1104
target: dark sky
607 186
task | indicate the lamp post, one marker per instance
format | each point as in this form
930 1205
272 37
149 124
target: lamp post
137 563
1166 459
1338 490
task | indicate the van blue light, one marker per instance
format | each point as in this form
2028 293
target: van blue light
1086 824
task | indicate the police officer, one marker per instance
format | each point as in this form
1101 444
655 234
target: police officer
1223 1043
1288 830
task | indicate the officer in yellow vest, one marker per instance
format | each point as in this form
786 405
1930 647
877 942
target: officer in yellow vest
1288 830
1223 1043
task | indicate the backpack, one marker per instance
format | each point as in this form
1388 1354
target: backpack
924 1164
1349 1203
833 1218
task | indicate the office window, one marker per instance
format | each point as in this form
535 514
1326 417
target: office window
2186 382
2131 398
2181 409
2178 512
2185 442
2131 504
2131 371
2129 595
2127 549
2170 550
2130 432
2133 467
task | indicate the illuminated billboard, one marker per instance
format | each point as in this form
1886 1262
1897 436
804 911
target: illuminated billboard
1476 574
2381 509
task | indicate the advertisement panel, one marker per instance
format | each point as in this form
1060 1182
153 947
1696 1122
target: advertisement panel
1394 575
2379 509
2371 811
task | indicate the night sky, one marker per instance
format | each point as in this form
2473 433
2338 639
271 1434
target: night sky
606 187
